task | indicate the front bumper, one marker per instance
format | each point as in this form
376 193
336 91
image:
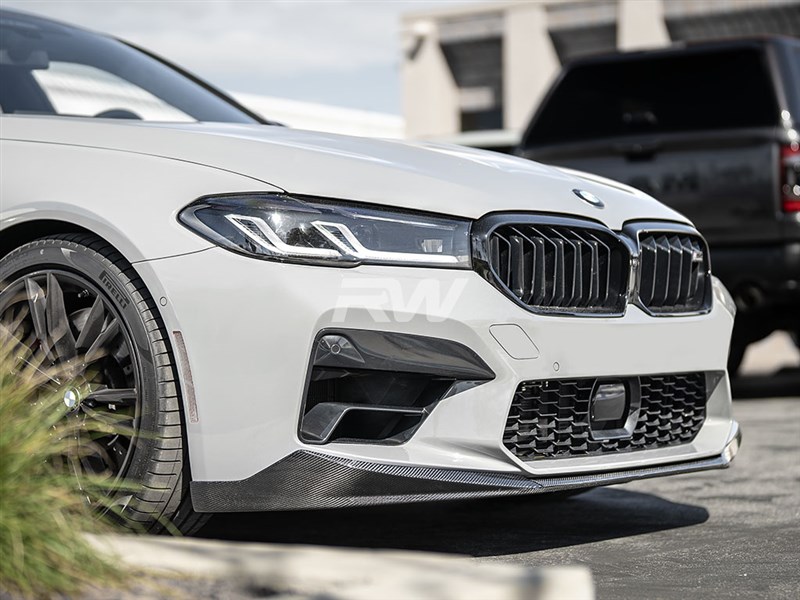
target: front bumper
249 328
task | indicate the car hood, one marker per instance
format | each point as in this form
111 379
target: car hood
415 175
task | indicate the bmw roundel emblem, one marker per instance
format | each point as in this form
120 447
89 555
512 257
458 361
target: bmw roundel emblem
589 197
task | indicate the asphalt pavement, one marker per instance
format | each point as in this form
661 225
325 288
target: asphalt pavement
718 534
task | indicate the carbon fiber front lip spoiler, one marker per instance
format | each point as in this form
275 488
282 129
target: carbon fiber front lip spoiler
310 480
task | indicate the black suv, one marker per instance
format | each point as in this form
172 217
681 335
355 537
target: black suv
711 129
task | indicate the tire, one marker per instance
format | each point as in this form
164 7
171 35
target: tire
155 456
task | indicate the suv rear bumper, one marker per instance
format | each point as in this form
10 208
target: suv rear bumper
760 276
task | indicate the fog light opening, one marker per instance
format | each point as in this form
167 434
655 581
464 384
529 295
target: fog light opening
614 409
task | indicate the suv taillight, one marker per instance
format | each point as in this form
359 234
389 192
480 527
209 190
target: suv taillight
790 178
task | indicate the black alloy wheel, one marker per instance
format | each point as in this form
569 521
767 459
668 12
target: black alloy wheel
78 312
65 329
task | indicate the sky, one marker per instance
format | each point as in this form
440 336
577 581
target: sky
345 53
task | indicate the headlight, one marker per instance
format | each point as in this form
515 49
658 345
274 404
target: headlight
322 232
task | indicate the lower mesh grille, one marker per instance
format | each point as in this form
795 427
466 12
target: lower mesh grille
551 419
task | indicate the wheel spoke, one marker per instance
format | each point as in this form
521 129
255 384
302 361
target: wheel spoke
93 326
121 424
58 321
97 349
117 450
37 306
21 350
9 336
118 397
97 457
41 373
15 322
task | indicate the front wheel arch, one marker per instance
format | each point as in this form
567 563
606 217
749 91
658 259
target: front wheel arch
23 233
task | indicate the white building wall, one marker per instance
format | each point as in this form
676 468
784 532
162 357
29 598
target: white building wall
430 93
641 25
530 62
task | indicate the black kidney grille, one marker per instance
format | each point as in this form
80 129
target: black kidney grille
674 274
555 268
550 419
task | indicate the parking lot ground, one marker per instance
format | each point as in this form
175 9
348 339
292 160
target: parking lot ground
720 534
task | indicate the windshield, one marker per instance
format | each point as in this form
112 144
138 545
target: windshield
51 69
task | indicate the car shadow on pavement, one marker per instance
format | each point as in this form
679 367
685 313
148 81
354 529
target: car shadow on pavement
491 527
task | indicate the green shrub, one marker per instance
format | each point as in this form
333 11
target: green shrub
43 509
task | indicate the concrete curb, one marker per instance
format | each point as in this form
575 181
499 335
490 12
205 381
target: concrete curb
347 574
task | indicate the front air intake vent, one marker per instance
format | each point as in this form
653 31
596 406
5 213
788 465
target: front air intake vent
377 387
554 265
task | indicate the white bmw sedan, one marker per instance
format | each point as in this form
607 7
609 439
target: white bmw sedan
286 319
